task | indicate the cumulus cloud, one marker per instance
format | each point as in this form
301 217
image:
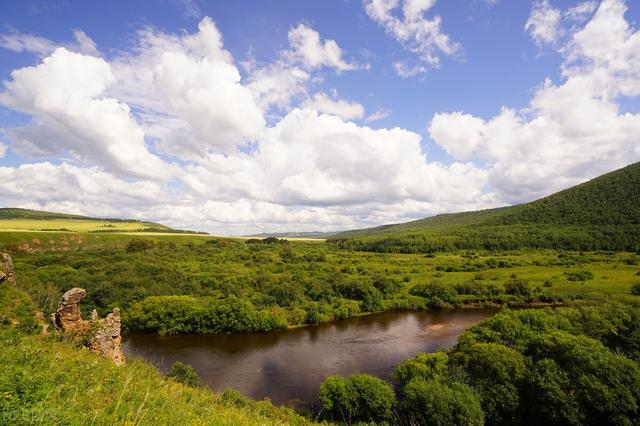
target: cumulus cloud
65 97
285 79
311 51
348 110
169 130
418 33
571 131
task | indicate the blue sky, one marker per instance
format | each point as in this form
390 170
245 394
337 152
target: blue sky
477 107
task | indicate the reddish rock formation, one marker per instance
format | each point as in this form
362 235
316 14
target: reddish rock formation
7 271
101 335
67 317
107 339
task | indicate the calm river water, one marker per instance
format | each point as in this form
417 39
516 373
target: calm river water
288 366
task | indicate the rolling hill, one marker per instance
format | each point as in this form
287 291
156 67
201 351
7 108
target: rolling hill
14 219
603 213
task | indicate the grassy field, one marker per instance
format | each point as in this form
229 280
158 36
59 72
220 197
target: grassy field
74 225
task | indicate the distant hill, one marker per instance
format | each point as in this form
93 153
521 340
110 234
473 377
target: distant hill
13 213
603 213
309 234
14 219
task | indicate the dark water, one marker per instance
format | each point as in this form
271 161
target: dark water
288 366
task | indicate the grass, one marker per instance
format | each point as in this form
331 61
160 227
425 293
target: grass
73 225
46 381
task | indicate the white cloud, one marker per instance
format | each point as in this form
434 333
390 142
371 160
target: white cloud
308 49
405 70
22 42
65 97
348 110
416 32
287 78
544 23
581 11
118 119
190 90
377 115
571 131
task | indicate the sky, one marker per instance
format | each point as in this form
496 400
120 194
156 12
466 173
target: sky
268 116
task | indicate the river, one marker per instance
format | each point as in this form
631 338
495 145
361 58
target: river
288 366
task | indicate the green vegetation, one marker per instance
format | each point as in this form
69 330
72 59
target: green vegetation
602 214
185 374
568 366
359 397
185 284
46 380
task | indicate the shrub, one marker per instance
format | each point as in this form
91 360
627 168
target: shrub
185 374
138 246
431 402
436 294
579 276
635 289
359 397
517 288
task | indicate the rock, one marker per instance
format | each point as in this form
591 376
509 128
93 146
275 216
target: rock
100 335
6 269
67 317
106 341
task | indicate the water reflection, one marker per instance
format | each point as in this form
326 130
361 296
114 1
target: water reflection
290 365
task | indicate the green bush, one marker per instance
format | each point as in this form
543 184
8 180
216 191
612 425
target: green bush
635 289
359 397
517 288
579 275
430 402
185 374
437 295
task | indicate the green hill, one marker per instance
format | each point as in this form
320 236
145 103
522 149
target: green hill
603 213
24 220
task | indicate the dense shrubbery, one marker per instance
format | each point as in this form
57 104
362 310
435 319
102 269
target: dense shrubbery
296 283
359 397
185 314
570 366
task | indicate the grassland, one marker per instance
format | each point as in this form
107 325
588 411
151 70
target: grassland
74 225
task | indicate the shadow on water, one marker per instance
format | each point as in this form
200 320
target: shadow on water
289 365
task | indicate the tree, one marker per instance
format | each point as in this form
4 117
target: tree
432 402
359 397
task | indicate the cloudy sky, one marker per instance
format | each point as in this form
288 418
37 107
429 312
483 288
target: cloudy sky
250 116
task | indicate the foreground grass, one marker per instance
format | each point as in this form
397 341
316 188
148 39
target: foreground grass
44 381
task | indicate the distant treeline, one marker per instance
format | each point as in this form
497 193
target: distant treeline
507 237
161 230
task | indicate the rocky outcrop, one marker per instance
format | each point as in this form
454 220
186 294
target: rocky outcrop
7 271
67 317
107 339
99 335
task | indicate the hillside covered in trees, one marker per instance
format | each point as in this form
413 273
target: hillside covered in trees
601 214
